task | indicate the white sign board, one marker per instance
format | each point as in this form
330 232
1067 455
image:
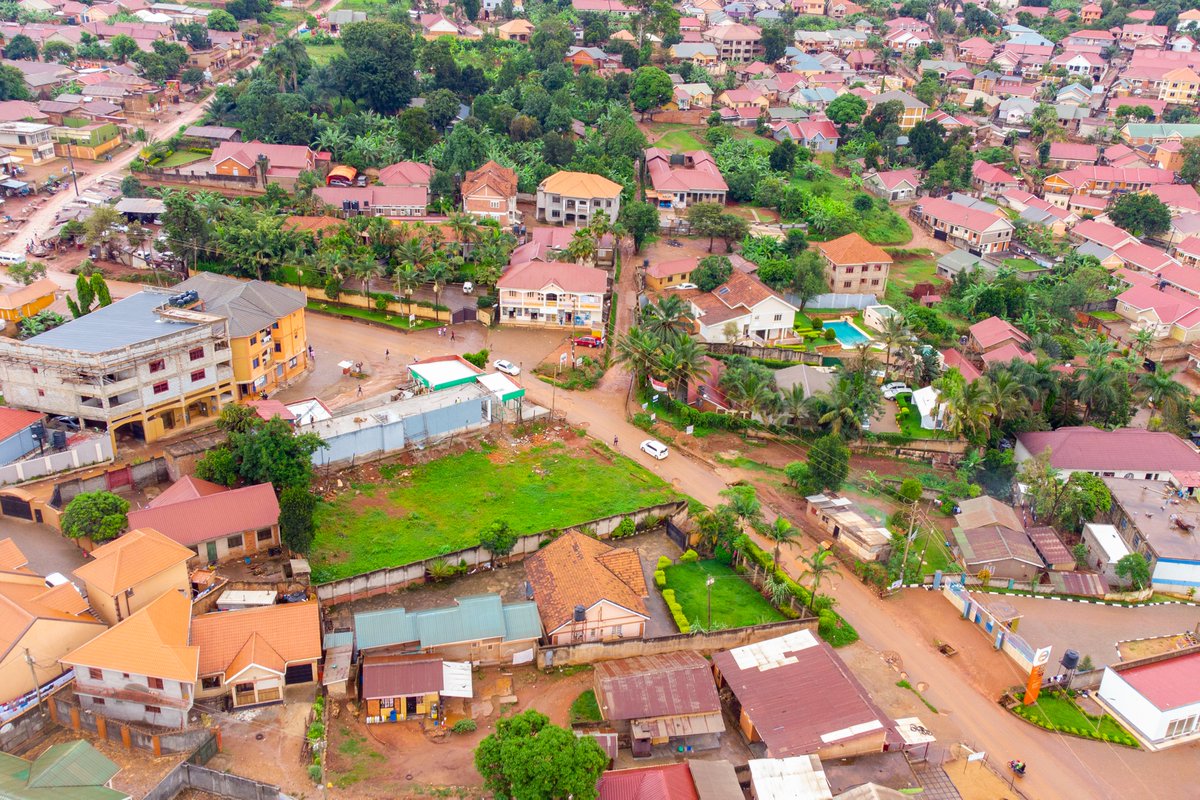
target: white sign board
977 756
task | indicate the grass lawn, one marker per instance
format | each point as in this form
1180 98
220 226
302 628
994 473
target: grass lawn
735 603
1022 264
910 423
680 141
585 708
374 8
395 320
441 506
1106 316
878 226
1056 711
908 271
760 143
181 157
322 54
932 546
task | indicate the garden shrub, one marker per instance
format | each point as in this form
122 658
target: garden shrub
464 726
660 578
625 529
663 562
477 359
314 772
690 557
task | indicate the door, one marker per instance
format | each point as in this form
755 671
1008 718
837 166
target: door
119 477
15 507
410 706
212 551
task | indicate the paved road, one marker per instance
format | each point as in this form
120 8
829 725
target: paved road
1060 768
47 550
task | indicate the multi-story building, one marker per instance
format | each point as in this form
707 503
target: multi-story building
971 229
143 366
1180 87
31 141
84 139
854 265
491 192
914 109
682 179
573 198
267 334
393 202
735 42
553 295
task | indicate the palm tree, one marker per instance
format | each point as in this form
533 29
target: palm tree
408 279
817 566
437 273
1097 349
792 403
582 246
637 349
780 532
333 139
1097 389
839 416
895 332
688 361
1003 393
465 227
1161 390
1143 340
744 504
670 316
968 412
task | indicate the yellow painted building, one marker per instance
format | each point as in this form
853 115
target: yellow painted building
268 339
22 302
126 574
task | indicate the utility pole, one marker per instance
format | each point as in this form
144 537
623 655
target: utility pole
71 162
37 686
912 523
708 584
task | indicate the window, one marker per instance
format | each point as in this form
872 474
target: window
244 687
159 388
278 347
274 326
255 363
846 285
198 375
158 365
41 392
97 701
265 535
211 682
254 339
196 353
35 370
155 683
849 270
616 631
153 710
95 674
875 282
1180 727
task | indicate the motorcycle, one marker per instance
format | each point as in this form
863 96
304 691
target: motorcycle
1018 768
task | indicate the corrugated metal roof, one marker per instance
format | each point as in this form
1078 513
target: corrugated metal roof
665 782
71 764
202 519
125 322
663 685
399 676
471 619
251 306
716 780
1050 547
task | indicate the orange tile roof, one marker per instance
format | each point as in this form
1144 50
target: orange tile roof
291 632
152 642
17 296
11 557
502 180
853 249
23 601
580 184
65 598
14 420
575 570
130 559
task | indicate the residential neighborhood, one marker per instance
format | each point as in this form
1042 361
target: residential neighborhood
599 400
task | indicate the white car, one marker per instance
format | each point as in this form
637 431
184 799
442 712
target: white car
685 286
890 390
507 367
654 449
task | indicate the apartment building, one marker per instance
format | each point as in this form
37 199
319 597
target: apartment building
490 192
573 198
976 231
735 42
144 366
855 266
681 179
1059 187
31 141
557 294
914 110
1180 87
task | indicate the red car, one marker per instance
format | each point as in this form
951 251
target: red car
590 341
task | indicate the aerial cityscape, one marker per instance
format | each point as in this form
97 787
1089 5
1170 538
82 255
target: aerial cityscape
599 400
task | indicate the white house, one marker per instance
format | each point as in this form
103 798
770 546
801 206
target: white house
1158 697
742 308
928 403
876 317
553 294
1105 548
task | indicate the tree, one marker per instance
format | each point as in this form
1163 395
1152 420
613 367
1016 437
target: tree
88 289
1133 569
221 20
641 221
195 34
58 51
442 106
1141 214
651 89
705 220
123 47
910 490
1190 170
828 463
100 516
775 41
259 451
498 539
21 48
1160 389
377 67
711 272
12 84
527 758
816 567
810 277
927 140
783 157
296 526
27 272
780 532
846 109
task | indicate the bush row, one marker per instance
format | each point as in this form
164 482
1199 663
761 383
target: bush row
830 625
681 621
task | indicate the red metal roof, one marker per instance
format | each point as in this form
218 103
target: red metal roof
1167 684
666 782
202 519
1125 449
398 676
1049 546
664 685
13 420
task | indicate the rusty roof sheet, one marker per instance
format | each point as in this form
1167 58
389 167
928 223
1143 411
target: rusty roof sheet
799 694
400 676
656 686
1050 547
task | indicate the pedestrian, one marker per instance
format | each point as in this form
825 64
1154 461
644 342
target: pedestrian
387 355
360 391
452 336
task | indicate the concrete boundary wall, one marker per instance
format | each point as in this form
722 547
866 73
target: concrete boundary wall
193 776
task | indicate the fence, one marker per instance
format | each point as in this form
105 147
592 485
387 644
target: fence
766 353
93 451
704 643
195 776
382 581
67 713
134 476
398 308
1015 647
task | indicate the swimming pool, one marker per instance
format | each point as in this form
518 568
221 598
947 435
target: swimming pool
847 333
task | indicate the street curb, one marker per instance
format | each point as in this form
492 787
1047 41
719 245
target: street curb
1113 604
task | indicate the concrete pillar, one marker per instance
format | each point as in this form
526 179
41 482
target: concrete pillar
75 718
937 579
157 746
102 727
126 739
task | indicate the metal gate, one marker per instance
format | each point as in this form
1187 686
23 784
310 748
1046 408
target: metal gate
463 315
201 755
15 507
298 673
118 478
677 536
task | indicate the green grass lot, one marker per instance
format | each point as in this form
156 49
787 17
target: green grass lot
761 143
585 708
374 8
322 54
1056 711
181 157
1106 316
735 603
933 545
1022 264
680 141
387 318
441 506
910 424
876 226
908 271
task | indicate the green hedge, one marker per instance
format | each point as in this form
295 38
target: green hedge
660 578
830 625
690 557
663 563
681 621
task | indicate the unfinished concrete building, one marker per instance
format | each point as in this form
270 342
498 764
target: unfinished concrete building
140 368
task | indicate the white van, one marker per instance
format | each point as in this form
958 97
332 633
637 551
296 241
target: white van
10 259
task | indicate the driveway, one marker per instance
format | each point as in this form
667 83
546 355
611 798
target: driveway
47 549
649 547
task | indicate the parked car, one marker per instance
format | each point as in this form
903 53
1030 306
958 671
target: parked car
684 286
468 287
590 341
890 390
654 449
68 422
507 367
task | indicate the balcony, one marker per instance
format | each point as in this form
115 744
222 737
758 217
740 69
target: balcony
131 693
